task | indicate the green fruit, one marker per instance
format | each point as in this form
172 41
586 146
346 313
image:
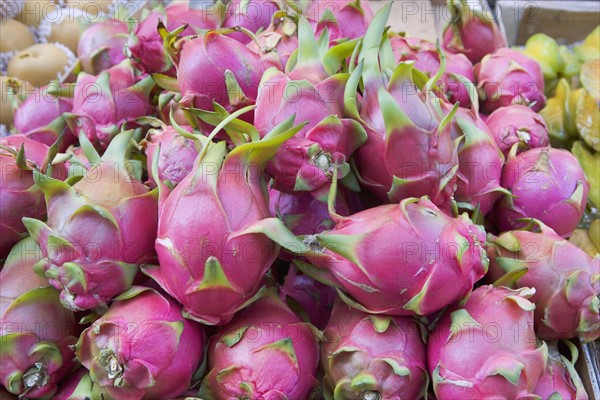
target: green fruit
545 51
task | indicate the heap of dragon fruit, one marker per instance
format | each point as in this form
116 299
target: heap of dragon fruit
281 200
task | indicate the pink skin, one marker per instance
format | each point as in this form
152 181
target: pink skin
315 299
210 56
30 314
146 46
509 77
351 22
177 154
563 276
473 36
119 217
37 112
427 60
559 379
280 97
105 102
18 198
230 206
125 334
480 163
425 248
257 16
271 352
101 45
518 124
495 330
549 185
354 346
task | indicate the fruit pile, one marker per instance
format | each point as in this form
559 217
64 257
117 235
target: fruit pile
287 200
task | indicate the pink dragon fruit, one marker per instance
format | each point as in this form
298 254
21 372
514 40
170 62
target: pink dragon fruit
308 163
428 246
276 44
373 356
98 231
224 194
471 32
19 195
427 59
309 298
145 46
494 329
266 352
177 154
103 104
35 330
479 165
565 279
79 386
39 117
517 124
142 348
560 380
304 215
101 45
230 72
254 15
509 77
344 19
409 151
546 184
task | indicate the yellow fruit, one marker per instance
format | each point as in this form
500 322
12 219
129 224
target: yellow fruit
38 64
590 162
590 49
594 233
33 12
12 92
14 35
67 32
581 239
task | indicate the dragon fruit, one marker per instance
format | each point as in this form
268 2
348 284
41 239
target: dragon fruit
230 72
427 59
142 348
79 386
145 46
560 380
276 44
409 151
308 163
428 246
494 329
177 154
221 274
103 104
471 32
266 352
101 45
509 77
20 196
39 117
546 184
308 297
304 215
479 165
344 19
517 124
35 330
254 15
565 279
373 356
98 231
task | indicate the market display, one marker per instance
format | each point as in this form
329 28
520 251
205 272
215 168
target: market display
268 199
